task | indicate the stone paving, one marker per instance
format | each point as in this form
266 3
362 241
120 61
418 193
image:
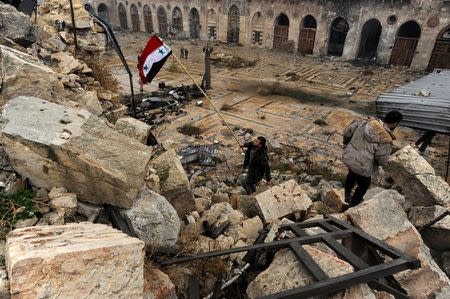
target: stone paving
324 89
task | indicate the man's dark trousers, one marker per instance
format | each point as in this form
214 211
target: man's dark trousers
249 185
363 184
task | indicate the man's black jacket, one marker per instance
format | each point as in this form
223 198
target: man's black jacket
259 166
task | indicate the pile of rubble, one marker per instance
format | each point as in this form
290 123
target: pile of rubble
74 172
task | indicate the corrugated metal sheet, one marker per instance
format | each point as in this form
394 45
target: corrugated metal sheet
430 113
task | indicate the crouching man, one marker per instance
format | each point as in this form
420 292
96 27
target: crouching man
368 144
257 161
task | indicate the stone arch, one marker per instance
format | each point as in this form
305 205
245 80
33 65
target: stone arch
123 16
162 21
440 57
134 14
280 31
234 16
212 24
177 20
307 35
103 12
257 29
89 8
370 38
148 20
194 23
405 45
338 34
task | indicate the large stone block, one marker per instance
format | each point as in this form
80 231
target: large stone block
17 26
282 200
417 178
158 284
174 182
154 221
25 75
385 219
74 261
54 145
133 128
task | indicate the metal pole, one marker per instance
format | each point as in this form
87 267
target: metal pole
74 27
112 37
448 160
207 97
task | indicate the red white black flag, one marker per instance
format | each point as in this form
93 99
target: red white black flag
152 58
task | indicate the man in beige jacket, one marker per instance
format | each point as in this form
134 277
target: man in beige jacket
368 145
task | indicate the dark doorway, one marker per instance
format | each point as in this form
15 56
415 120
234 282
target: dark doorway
370 38
177 20
440 58
307 35
162 21
405 44
233 25
89 8
135 24
280 31
194 23
148 21
123 16
103 12
338 34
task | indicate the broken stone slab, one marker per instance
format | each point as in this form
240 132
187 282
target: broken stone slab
76 251
287 272
390 193
55 43
385 219
421 216
154 221
25 75
17 26
26 222
133 128
157 284
94 162
174 182
437 236
220 213
4 284
282 200
417 178
67 64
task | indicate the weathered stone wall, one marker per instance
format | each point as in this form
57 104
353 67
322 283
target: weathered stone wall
432 16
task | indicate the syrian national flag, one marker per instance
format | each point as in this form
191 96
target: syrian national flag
152 58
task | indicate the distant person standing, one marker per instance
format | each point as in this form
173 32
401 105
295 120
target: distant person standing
257 161
182 52
368 144
186 53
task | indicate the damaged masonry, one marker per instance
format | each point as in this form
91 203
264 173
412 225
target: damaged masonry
110 189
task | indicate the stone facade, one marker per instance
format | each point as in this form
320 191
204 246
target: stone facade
365 29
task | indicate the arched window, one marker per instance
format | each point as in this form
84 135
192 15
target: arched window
405 44
370 38
233 25
135 23
280 31
338 34
257 29
307 35
148 22
103 12
162 21
194 23
123 16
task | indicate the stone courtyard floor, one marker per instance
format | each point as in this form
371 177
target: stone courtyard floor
280 96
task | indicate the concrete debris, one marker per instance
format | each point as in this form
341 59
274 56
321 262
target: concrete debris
174 182
67 64
53 218
77 251
4 284
24 75
205 155
376 193
384 219
247 231
152 180
436 236
417 178
421 216
60 199
17 26
55 43
334 198
282 200
96 163
133 128
154 221
157 284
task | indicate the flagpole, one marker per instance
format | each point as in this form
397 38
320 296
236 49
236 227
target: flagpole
207 97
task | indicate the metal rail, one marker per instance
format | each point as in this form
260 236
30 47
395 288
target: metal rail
335 230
